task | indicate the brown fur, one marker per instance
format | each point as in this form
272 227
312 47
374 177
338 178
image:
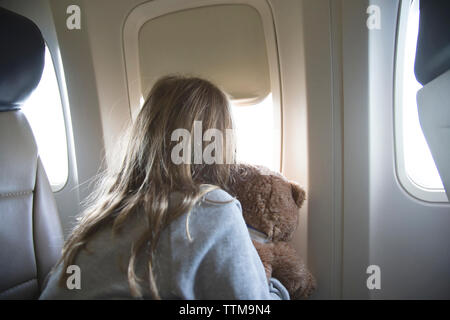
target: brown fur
270 204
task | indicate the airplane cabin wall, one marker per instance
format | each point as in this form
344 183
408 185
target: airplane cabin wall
409 238
383 224
359 214
321 42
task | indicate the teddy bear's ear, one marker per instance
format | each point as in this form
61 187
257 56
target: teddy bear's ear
297 193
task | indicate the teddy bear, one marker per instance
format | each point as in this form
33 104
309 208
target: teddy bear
270 205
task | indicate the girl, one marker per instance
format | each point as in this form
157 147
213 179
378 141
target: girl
160 230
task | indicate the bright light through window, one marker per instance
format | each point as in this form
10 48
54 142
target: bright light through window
255 133
419 163
44 112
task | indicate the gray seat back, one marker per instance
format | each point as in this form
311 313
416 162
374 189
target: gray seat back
30 230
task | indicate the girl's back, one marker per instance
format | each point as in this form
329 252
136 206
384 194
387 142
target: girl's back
207 255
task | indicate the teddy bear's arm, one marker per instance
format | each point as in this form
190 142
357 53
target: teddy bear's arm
291 271
265 252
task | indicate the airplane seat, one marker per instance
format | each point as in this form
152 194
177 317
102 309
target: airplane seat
30 230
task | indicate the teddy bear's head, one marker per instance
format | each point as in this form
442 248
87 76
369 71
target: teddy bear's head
270 202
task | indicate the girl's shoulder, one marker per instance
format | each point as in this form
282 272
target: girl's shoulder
213 212
219 197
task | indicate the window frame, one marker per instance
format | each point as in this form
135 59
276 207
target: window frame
154 9
412 188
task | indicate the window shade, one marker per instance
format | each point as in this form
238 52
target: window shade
222 43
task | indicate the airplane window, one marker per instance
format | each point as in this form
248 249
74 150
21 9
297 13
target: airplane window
418 163
255 133
239 57
44 112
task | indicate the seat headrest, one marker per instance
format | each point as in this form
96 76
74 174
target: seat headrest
22 53
433 42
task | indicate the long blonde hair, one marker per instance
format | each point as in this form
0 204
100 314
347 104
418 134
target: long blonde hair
147 176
